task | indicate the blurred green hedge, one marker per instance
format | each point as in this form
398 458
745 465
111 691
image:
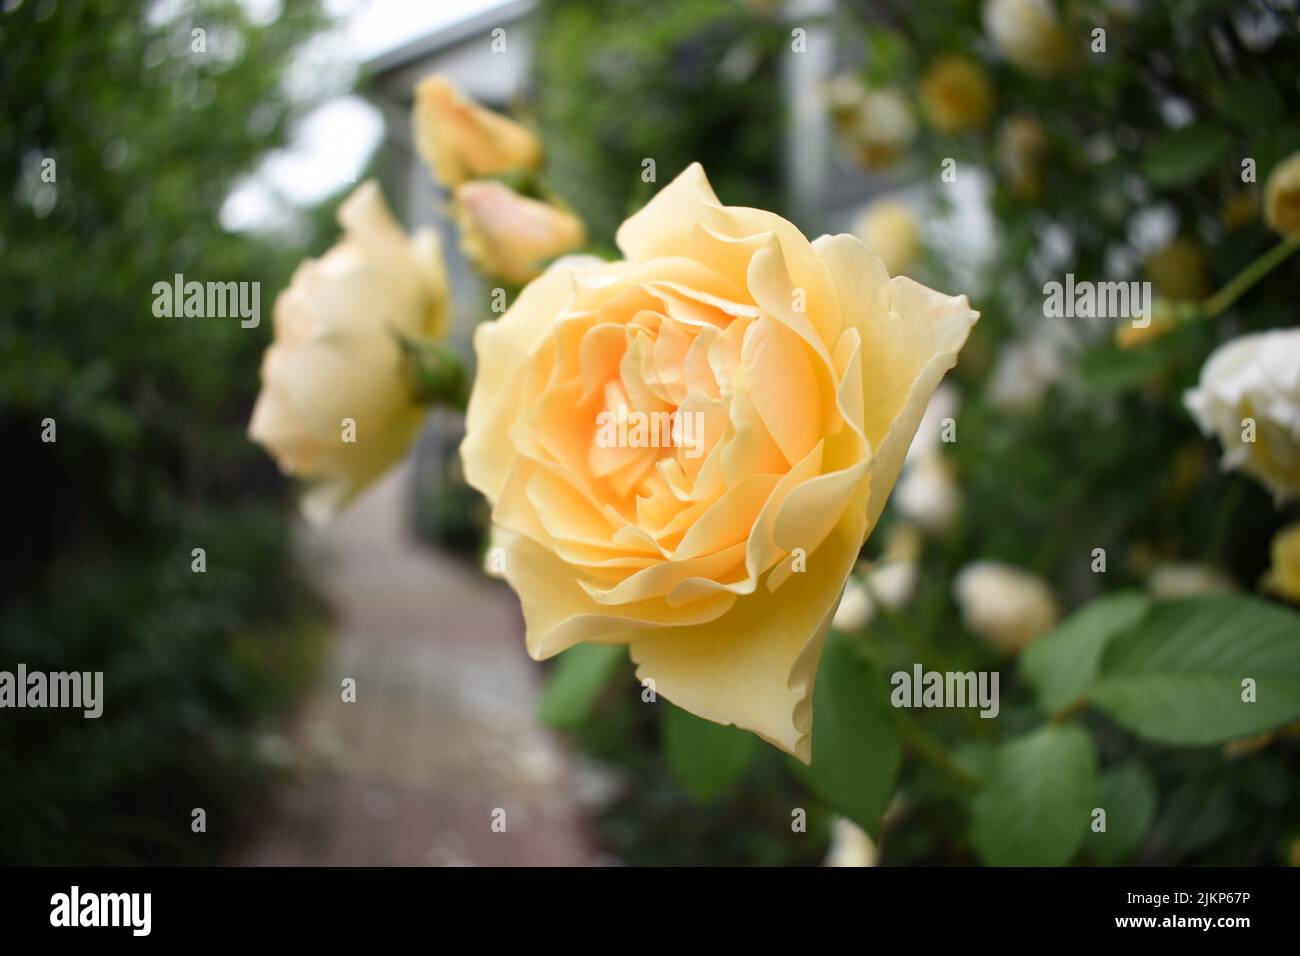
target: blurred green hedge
151 459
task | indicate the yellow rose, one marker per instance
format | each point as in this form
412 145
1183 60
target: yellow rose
1249 398
461 140
509 235
1282 196
794 375
1283 578
1007 607
889 228
955 94
1028 33
335 358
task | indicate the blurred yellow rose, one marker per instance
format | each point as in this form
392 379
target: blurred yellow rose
461 140
955 94
1249 398
1283 577
336 359
1282 196
1029 34
509 235
890 229
1021 142
1179 271
800 369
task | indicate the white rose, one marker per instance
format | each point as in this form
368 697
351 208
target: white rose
1177 579
928 494
850 845
1023 374
1249 397
336 358
856 608
1028 33
893 583
1006 606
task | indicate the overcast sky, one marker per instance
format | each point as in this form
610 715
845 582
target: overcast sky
336 140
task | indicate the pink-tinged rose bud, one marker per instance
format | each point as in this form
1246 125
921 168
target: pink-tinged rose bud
511 236
461 140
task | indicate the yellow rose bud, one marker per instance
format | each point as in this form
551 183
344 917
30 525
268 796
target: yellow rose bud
1282 196
955 94
336 359
1163 319
686 449
1028 33
512 236
1179 271
1283 577
1007 607
461 140
889 228
1240 209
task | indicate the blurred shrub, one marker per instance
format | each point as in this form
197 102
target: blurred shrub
693 81
151 460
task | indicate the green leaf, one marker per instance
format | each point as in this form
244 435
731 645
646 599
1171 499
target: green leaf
1060 667
1111 370
855 753
1252 104
1036 806
576 679
1176 677
704 757
1179 157
1128 796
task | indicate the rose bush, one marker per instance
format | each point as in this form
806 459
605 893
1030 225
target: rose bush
809 369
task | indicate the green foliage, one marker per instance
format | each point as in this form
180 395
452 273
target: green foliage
1177 676
1034 808
1062 666
706 758
575 681
151 459
695 82
1128 795
855 747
